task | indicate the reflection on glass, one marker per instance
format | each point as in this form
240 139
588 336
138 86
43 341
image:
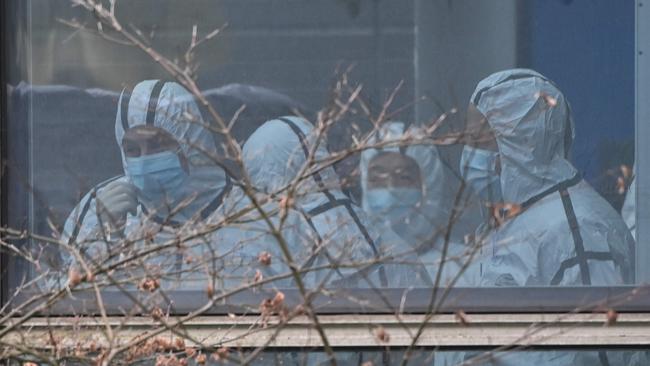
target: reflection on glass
329 146
291 357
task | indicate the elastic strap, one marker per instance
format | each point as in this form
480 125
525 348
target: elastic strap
153 102
328 206
602 357
568 263
207 211
560 186
319 241
125 98
577 237
332 199
86 208
581 258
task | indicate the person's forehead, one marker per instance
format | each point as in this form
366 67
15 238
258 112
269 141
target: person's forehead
143 133
393 160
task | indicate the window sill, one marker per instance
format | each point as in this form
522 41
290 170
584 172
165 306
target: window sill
355 330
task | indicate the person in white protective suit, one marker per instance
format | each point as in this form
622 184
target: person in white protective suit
628 212
408 190
548 226
558 231
171 180
320 226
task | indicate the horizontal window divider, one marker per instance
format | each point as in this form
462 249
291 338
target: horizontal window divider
365 301
344 331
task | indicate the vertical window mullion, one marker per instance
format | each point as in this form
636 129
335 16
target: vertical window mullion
642 149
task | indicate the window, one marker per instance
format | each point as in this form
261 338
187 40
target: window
353 158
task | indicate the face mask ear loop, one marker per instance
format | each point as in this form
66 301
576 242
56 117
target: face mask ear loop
183 160
497 162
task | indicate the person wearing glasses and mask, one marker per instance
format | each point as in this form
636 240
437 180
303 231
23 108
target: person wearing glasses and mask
409 193
171 180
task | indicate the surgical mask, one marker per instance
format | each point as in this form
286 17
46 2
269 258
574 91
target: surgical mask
393 204
401 209
157 174
479 170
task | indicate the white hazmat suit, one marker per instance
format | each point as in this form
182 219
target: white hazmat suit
563 233
168 106
321 225
423 226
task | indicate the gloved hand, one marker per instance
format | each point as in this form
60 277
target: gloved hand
113 203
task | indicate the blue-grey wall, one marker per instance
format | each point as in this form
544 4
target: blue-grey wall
587 48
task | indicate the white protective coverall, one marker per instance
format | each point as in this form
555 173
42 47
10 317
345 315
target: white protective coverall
322 226
423 228
565 233
166 105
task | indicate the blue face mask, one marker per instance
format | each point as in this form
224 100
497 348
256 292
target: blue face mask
156 175
479 170
393 204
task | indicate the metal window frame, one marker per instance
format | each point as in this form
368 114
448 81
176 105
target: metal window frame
4 54
642 148
484 300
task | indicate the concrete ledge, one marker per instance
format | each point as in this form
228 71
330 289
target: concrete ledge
346 331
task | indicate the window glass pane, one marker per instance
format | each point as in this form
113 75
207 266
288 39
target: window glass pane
471 357
285 145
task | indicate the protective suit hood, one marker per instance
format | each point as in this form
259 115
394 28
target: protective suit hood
274 155
167 105
532 123
426 156
439 187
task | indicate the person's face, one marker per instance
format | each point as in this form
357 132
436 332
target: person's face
478 133
147 140
393 170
